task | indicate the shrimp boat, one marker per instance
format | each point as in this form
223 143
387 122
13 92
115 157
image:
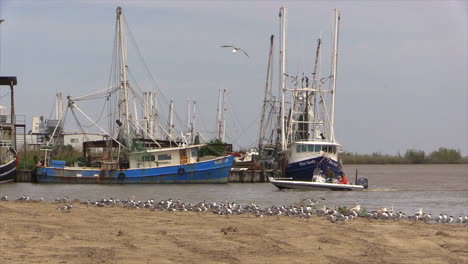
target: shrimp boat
307 140
127 157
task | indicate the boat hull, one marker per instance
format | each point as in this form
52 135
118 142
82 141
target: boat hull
8 171
304 170
212 171
314 186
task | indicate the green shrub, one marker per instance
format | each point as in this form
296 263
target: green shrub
446 156
214 148
415 156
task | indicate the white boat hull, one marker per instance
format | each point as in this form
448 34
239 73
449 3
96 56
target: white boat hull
314 186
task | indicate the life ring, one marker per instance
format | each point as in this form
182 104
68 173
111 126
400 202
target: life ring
121 176
181 171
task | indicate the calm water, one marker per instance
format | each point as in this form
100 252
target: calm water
435 188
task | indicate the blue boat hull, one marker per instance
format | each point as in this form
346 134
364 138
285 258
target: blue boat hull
303 170
212 171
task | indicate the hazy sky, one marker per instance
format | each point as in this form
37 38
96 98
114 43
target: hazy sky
402 73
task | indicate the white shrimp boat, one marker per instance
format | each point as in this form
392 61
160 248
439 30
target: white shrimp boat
307 141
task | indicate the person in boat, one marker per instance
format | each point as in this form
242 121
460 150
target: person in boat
343 179
329 175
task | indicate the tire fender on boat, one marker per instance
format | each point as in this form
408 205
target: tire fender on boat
181 171
121 176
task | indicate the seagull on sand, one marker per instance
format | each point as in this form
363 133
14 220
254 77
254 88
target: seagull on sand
65 208
235 49
356 208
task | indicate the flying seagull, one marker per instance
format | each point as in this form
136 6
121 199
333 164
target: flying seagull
235 49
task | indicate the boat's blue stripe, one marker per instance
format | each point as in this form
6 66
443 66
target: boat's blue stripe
215 171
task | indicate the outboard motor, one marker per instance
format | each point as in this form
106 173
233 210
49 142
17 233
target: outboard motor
363 182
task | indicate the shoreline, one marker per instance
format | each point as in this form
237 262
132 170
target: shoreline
38 232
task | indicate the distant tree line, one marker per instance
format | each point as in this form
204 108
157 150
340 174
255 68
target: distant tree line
412 156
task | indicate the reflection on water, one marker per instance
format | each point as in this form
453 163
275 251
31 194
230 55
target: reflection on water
435 188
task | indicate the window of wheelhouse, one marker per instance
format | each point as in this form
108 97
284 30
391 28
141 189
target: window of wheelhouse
304 148
298 148
164 157
310 148
317 148
194 152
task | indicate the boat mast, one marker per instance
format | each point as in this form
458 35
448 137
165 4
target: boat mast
189 115
336 22
171 120
315 86
282 15
192 128
124 112
58 105
191 118
221 123
218 115
224 115
267 84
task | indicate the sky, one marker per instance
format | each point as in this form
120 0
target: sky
402 65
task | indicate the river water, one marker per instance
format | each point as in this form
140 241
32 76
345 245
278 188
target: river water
434 188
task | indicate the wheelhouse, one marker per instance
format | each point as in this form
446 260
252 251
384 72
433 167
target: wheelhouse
164 157
309 149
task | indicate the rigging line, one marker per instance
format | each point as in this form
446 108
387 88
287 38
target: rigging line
234 114
144 131
61 120
136 95
100 115
140 57
112 68
167 133
158 91
134 80
104 92
235 140
268 123
63 123
118 142
139 98
51 112
89 99
78 122
197 107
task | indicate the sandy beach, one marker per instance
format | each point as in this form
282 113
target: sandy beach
36 232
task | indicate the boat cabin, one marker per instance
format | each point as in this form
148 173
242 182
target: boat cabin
164 157
305 149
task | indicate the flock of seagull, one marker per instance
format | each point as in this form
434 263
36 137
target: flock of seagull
305 210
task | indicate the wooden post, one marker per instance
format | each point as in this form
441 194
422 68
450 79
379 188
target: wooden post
13 118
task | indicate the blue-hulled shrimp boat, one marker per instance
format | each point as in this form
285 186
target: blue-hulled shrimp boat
308 144
132 154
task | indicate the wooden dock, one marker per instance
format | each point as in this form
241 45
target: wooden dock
251 176
24 176
235 176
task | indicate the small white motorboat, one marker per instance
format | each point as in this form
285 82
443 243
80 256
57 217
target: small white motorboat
285 183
